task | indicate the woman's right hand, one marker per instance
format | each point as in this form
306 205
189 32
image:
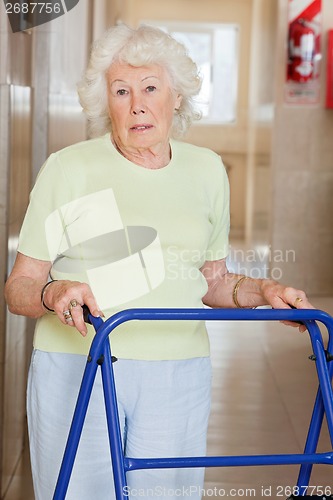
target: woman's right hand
66 298
25 284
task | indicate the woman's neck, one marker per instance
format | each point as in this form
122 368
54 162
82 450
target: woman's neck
152 158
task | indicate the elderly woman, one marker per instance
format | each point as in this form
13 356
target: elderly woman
132 217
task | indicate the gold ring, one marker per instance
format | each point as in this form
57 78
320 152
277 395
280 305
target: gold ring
73 303
67 315
298 299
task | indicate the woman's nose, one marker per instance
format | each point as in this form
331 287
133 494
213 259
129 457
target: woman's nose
137 106
137 111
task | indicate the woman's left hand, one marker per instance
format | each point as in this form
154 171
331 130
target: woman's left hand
285 297
252 292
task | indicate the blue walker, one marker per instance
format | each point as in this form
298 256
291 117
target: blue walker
100 356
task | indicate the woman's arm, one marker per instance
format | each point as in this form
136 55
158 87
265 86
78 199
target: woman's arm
24 285
249 292
24 288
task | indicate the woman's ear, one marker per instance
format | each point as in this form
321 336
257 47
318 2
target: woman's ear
178 102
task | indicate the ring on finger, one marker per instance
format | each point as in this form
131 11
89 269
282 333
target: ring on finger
73 303
297 300
67 315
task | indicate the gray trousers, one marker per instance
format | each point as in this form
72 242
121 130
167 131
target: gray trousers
163 408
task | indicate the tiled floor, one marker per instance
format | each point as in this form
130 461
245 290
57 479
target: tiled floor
263 391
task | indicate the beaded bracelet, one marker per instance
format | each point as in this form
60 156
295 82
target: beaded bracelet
234 293
43 293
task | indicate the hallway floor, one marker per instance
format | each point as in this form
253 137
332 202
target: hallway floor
264 387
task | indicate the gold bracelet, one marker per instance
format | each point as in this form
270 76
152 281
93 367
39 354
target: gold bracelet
234 293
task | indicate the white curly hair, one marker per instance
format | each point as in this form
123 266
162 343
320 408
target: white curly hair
138 47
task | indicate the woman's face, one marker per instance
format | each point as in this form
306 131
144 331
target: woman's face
141 105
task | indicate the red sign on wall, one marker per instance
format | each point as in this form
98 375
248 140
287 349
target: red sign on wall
329 78
304 52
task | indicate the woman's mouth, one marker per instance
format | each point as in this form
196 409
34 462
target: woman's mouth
140 127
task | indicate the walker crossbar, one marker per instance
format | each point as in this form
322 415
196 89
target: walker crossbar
228 461
100 355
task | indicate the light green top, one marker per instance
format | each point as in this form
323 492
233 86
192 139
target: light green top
137 236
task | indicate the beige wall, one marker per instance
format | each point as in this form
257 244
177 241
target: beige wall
15 171
302 177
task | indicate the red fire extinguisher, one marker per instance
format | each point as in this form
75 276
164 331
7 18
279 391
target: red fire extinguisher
301 51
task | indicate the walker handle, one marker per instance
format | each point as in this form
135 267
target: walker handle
86 314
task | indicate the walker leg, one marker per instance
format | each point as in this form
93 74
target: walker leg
115 440
321 407
75 430
312 440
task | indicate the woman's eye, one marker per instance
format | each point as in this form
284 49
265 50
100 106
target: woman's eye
151 88
121 92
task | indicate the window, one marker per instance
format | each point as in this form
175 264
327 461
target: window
214 47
